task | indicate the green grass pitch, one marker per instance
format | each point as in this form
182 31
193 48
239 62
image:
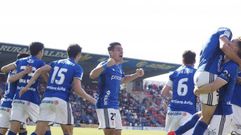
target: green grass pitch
93 131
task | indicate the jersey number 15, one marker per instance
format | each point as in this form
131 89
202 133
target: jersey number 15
60 73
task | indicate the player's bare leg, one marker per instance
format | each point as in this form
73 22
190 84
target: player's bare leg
207 113
15 126
109 131
67 129
41 127
117 132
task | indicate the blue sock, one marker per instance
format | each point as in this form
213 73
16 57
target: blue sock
24 133
48 132
33 133
200 128
11 133
188 125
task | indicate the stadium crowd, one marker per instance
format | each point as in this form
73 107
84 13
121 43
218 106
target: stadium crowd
150 111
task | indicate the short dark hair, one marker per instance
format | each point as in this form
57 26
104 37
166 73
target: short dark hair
239 47
73 50
189 57
22 55
35 48
112 45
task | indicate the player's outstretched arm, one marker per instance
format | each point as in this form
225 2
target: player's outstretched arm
76 85
95 73
20 75
36 75
211 87
128 78
8 68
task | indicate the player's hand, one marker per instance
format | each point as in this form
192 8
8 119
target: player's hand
196 91
139 72
28 69
111 62
22 91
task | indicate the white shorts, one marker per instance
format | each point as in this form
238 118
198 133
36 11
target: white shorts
174 119
201 78
109 118
56 110
21 110
236 119
5 117
219 125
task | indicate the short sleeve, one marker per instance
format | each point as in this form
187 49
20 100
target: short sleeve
229 71
172 76
16 63
52 64
78 72
169 83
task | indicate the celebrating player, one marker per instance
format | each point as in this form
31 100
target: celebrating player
183 103
110 75
65 74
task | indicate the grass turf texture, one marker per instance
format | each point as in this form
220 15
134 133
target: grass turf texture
94 131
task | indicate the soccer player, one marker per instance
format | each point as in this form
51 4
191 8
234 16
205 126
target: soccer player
110 75
211 58
224 81
236 106
183 103
6 101
26 106
64 75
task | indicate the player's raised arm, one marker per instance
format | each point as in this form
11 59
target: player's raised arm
36 75
76 85
101 67
128 78
8 68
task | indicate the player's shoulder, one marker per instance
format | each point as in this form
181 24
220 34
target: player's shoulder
23 59
78 66
102 62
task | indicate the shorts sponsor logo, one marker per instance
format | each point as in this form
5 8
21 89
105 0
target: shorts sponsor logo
55 102
211 131
19 102
174 113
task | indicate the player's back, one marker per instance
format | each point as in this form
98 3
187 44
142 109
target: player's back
229 73
211 55
32 94
61 77
183 98
10 91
